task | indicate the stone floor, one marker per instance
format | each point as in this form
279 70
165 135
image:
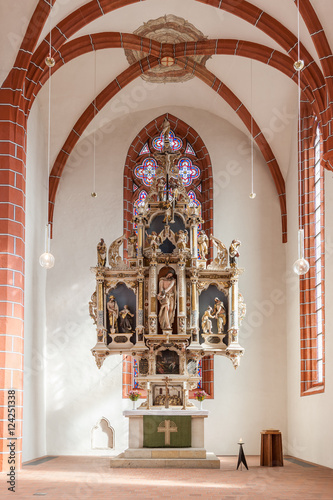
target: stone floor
90 477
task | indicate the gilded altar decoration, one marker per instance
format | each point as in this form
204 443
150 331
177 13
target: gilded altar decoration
160 297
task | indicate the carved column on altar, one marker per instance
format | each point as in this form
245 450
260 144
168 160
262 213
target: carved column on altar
181 299
101 315
194 310
194 222
233 311
100 350
140 314
153 297
234 350
141 238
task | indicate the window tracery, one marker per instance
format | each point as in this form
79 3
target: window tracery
195 166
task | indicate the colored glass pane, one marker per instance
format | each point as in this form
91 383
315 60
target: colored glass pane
145 150
141 199
189 150
135 374
194 202
138 203
187 171
175 142
200 372
146 171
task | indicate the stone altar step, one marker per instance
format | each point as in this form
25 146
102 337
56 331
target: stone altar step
191 453
210 462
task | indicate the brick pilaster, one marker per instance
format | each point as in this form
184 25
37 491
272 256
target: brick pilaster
12 249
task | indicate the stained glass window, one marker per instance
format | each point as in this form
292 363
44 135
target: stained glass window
135 374
175 142
200 372
189 150
146 171
140 200
139 203
145 150
187 171
194 201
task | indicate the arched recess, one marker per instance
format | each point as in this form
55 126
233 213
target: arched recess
102 435
188 135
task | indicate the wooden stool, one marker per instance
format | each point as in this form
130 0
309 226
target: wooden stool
271 448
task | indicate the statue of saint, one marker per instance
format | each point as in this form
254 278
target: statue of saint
114 257
154 240
93 307
125 322
181 240
221 259
206 322
220 315
160 189
203 245
234 253
113 311
101 253
167 299
131 245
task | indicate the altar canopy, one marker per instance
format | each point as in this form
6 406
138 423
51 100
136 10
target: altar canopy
161 300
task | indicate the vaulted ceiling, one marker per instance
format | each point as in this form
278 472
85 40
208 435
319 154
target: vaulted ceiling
258 39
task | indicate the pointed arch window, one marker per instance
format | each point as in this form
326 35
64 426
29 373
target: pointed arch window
196 172
312 284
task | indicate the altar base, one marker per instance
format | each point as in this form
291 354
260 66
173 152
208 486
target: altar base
185 457
175 458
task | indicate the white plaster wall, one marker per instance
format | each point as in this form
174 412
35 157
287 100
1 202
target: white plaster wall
253 397
310 430
78 394
34 431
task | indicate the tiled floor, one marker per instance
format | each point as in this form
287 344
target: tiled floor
91 477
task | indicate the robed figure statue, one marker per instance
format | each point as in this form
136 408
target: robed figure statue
167 299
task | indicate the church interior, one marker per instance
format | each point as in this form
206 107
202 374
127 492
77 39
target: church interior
166 247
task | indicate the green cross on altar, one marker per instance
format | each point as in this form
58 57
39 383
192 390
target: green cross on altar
167 426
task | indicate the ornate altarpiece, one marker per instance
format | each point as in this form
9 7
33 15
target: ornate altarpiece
165 305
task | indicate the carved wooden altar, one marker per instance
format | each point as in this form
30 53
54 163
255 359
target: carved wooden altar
164 304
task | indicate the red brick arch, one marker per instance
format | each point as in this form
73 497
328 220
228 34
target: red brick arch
98 41
207 77
240 8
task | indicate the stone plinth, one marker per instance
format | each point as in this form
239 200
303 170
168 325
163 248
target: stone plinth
135 439
187 457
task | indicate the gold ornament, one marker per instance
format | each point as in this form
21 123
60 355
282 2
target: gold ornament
49 61
299 65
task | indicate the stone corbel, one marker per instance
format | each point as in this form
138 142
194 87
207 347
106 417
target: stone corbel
99 355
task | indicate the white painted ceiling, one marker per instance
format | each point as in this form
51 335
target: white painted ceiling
73 85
